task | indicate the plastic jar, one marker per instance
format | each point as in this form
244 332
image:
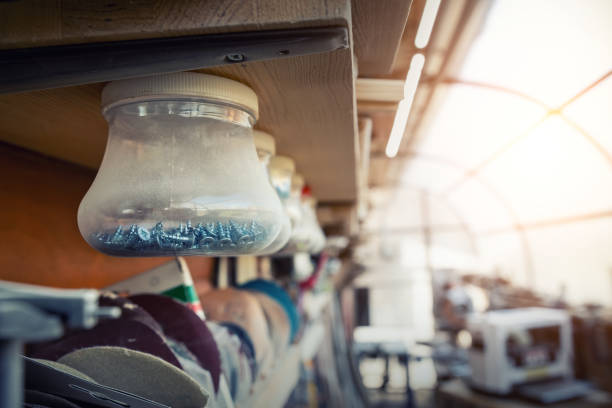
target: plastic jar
281 170
315 235
180 175
307 235
293 206
266 148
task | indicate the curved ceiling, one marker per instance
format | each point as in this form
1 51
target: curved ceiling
519 150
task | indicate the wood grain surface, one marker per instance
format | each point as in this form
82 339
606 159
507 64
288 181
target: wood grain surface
39 238
64 123
377 30
406 47
308 105
29 23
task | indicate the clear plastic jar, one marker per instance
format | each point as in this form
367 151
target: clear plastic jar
180 175
266 148
307 235
315 235
298 242
281 170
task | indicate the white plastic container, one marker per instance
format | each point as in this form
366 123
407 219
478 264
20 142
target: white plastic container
294 206
266 148
307 235
298 242
180 175
281 170
315 235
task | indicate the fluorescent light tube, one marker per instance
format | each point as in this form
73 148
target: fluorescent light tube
426 24
403 109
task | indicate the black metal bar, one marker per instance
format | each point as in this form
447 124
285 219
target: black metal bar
30 69
11 380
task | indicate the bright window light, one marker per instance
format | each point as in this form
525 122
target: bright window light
403 109
426 25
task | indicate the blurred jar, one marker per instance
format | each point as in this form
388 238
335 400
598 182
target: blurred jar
316 237
266 148
299 234
281 170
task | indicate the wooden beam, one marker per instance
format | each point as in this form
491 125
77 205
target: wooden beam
379 90
377 29
37 23
367 107
40 240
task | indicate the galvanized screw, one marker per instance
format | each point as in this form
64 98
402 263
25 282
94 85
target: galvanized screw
184 237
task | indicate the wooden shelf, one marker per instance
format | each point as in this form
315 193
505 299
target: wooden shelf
307 102
378 28
31 23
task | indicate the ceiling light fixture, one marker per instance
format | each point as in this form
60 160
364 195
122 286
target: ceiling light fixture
426 25
403 109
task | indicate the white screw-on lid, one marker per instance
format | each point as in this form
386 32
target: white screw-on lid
297 181
264 141
282 163
180 85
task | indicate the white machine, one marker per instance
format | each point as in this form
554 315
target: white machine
515 347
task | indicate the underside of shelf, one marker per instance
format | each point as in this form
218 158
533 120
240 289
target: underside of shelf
306 102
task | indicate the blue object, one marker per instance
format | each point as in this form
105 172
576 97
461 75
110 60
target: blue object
278 294
247 343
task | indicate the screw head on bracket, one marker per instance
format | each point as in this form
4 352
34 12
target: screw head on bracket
235 57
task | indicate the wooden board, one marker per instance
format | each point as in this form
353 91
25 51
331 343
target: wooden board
64 123
377 30
29 23
307 103
379 90
406 47
39 237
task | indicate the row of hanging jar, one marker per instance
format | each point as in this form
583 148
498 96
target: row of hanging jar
184 173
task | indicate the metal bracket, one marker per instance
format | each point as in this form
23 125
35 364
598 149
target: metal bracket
29 69
35 313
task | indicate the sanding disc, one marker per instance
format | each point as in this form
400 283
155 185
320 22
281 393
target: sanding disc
277 293
278 323
246 345
241 308
181 324
135 330
138 373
